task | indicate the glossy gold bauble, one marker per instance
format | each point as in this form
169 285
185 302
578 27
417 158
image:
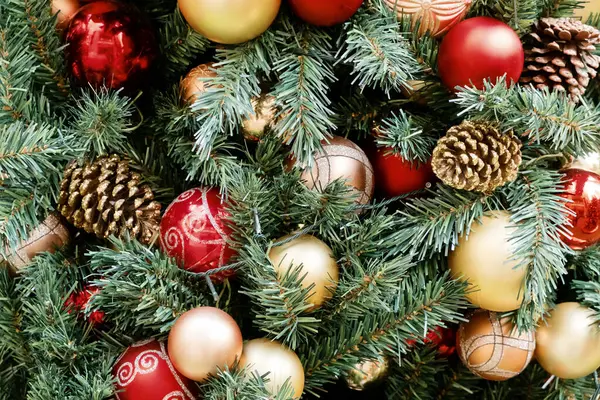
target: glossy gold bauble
317 263
261 120
591 6
367 373
50 235
203 340
230 21
340 158
192 86
492 348
569 342
434 16
485 259
262 356
64 10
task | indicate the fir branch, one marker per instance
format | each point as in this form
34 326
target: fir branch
415 376
356 114
456 383
541 117
100 121
379 53
559 8
142 290
520 15
240 384
302 91
540 215
588 293
406 136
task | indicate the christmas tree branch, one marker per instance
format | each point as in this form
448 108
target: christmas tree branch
520 15
241 384
407 136
142 290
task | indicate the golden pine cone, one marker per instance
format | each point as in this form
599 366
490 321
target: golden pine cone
561 56
105 198
476 156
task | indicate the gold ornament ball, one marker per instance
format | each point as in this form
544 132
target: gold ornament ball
317 263
434 16
270 357
192 86
203 340
50 235
592 6
340 158
485 259
367 373
64 10
230 21
492 348
569 342
257 124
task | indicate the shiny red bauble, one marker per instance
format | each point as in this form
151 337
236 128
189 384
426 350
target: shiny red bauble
583 190
396 176
193 230
325 12
479 49
442 339
110 44
144 372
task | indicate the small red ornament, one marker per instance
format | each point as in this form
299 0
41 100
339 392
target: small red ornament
395 176
193 231
444 339
583 189
325 12
479 49
79 301
145 372
110 44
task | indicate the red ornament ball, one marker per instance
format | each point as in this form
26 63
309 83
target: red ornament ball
479 49
444 339
325 12
193 230
396 176
583 189
145 372
110 44
79 301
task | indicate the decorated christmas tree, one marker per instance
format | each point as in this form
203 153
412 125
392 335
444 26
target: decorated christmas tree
277 199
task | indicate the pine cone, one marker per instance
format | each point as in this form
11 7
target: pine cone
560 56
105 198
476 156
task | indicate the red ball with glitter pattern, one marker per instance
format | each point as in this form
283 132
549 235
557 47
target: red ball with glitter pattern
325 12
583 189
110 44
145 372
193 230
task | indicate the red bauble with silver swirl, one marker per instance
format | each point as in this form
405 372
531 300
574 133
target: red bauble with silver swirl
397 176
582 188
110 44
144 372
193 230
325 13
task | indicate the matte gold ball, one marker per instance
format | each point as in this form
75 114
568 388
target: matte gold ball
203 340
569 342
492 348
230 21
257 124
340 158
64 10
592 6
367 373
270 357
317 263
485 259
192 86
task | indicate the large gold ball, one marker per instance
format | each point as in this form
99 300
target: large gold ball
492 348
230 21
270 357
192 86
367 373
317 263
568 342
485 259
203 340
592 6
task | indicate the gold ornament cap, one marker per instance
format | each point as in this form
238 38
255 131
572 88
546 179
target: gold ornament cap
485 259
264 356
569 342
317 262
192 86
204 340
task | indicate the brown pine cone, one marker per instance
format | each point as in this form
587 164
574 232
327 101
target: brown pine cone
560 56
105 198
476 156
